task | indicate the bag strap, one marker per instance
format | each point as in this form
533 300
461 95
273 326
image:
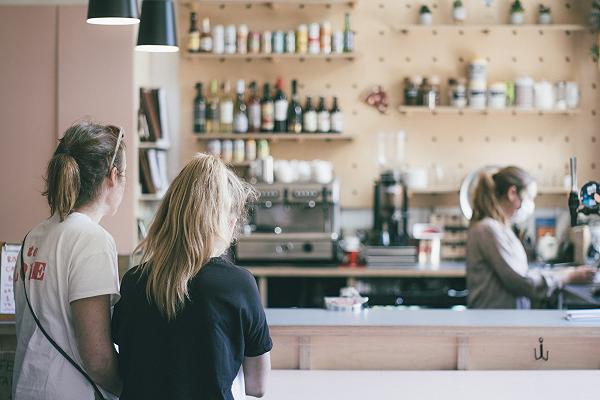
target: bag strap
52 342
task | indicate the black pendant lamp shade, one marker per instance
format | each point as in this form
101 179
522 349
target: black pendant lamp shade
158 32
112 12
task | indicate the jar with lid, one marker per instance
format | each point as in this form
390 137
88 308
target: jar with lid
266 45
254 42
561 95
314 45
230 39
218 35
325 37
242 39
477 95
278 42
524 95
302 39
457 92
497 96
290 42
411 92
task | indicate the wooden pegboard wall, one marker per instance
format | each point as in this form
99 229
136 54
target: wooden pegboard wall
542 144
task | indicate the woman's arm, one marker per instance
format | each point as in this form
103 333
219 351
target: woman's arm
256 373
91 319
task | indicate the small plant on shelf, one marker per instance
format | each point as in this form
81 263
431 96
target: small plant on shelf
544 15
425 16
459 11
517 13
595 25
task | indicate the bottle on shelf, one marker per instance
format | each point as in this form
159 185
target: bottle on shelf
193 35
294 120
213 119
337 117
240 114
323 121
267 110
253 107
309 117
226 109
206 41
348 35
281 108
199 110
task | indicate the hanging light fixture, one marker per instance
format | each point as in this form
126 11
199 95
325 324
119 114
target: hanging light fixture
112 12
158 31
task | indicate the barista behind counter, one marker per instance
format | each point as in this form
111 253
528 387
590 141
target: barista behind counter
498 275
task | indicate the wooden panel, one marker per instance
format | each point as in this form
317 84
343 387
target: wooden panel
383 353
457 143
518 353
285 353
28 98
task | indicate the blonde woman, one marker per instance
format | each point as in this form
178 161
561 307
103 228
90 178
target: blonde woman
188 319
498 274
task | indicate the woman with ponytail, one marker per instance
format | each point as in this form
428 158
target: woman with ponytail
67 279
498 275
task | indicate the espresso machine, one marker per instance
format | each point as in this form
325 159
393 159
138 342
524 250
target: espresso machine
390 210
292 222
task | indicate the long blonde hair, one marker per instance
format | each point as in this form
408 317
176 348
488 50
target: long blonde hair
197 212
491 188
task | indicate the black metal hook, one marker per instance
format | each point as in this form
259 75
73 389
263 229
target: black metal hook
541 356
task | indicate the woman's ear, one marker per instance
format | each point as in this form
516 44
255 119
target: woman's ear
113 177
512 194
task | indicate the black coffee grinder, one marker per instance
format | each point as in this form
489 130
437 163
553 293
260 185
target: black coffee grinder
390 210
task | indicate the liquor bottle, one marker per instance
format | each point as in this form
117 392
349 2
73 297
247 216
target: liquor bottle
323 122
348 36
193 35
199 110
240 114
213 119
310 117
294 120
206 40
226 109
253 107
337 117
267 110
281 108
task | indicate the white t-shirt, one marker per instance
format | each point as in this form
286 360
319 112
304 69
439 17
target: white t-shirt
65 262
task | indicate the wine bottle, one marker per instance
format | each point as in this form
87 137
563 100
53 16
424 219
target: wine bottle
226 109
206 40
199 110
240 115
294 120
213 119
193 35
348 35
337 117
253 107
310 117
323 122
267 110
281 108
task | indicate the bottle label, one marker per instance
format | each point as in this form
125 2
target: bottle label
281 109
194 41
337 122
254 116
200 117
323 122
240 123
310 121
206 44
227 112
267 116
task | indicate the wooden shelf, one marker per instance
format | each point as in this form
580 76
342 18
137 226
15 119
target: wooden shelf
272 57
295 137
274 3
154 145
487 29
409 110
444 270
455 191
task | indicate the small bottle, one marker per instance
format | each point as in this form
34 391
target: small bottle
262 149
250 150
267 110
213 119
310 117
266 44
302 39
290 42
242 39
214 148
254 43
199 110
294 120
323 121
226 109
218 37
314 45
239 151
227 151
253 107
206 40
193 35
278 42
348 36
240 115
325 36
230 39
281 108
337 117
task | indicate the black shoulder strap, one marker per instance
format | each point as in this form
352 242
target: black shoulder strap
52 342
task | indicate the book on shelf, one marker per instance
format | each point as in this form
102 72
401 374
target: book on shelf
153 122
153 171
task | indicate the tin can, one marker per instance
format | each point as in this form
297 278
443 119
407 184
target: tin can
242 39
254 42
314 45
290 42
325 37
227 151
230 39
337 40
250 150
302 39
218 39
278 42
239 150
266 42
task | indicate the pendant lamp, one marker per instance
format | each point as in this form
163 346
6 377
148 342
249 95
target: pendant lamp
158 31
112 12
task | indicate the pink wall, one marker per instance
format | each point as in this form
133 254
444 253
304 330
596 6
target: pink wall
55 70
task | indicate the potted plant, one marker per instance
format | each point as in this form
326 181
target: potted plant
459 11
544 15
517 13
425 16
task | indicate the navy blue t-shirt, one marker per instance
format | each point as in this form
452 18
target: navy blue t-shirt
199 353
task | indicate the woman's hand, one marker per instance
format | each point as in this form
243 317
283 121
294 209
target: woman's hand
582 274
